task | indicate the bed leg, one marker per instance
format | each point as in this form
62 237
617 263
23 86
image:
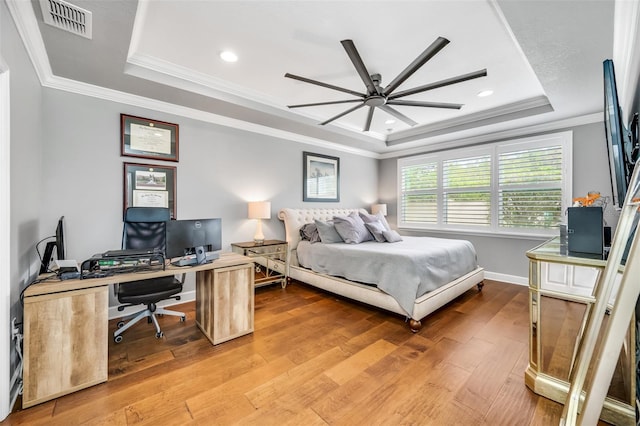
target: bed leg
480 285
415 325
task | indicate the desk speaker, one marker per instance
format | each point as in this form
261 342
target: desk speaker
585 230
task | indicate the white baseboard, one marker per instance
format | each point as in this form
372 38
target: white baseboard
188 296
511 279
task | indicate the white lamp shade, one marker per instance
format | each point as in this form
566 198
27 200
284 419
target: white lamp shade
259 210
379 208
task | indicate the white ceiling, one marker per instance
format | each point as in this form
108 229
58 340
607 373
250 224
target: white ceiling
543 60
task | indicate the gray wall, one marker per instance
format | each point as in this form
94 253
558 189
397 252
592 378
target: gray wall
504 255
220 169
26 167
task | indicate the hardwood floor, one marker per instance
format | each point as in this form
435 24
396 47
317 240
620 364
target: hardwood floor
317 359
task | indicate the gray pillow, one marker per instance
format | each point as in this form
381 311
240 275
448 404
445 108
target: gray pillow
351 228
376 228
309 232
392 236
378 217
327 232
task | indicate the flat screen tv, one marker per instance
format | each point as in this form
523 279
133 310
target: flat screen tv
622 145
193 237
58 244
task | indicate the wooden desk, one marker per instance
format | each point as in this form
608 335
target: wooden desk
66 322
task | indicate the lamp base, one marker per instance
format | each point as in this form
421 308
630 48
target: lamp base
258 242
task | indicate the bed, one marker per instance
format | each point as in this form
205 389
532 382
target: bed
428 297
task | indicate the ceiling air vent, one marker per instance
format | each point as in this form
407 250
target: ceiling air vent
63 15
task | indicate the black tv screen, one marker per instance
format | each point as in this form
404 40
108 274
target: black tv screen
619 145
184 237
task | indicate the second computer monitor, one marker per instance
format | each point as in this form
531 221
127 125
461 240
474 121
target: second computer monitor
193 237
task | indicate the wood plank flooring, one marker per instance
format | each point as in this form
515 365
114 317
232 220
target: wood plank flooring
318 359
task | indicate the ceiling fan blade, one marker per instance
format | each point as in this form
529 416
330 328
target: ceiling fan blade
367 125
441 83
328 86
397 114
424 104
324 103
353 54
342 114
428 53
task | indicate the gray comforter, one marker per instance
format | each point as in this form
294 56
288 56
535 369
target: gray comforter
405 270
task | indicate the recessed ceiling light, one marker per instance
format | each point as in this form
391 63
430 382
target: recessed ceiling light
485 93
390 122
228 56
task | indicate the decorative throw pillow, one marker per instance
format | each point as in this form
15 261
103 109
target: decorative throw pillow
378 217
327 232
392 236
376 228
309 232
351 228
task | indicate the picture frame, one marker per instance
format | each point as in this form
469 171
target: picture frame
146 138
320 178
149 185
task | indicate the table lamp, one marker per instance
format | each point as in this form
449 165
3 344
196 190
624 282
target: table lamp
259 210
382 208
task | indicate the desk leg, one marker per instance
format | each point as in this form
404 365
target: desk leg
65 343
225 302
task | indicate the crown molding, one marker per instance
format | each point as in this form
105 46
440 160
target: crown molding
26 23
531 106
453 142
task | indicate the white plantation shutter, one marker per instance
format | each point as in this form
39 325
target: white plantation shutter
419 199
530 193
466 186
512 187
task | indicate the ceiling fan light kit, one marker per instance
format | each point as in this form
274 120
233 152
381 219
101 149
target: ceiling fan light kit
377 97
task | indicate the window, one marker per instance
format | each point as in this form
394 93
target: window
511 187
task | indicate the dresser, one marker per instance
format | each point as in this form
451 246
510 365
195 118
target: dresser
560 295
271 260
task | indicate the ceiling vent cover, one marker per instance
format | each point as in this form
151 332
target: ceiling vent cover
63 15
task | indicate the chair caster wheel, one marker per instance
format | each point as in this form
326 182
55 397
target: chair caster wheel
159 335
183 318
117 339
120 324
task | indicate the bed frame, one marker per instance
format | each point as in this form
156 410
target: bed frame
294 219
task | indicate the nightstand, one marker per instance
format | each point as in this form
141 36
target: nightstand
271 260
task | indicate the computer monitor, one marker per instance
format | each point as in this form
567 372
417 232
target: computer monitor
58 244
193 237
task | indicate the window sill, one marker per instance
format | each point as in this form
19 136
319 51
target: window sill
492 234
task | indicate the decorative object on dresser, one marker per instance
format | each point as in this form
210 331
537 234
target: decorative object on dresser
259 210
270 258
374 253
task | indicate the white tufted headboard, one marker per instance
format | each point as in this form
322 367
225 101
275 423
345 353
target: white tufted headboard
294 219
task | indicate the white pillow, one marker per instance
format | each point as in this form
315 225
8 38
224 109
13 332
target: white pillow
392 236
351 228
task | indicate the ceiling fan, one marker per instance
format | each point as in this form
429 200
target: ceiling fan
384 98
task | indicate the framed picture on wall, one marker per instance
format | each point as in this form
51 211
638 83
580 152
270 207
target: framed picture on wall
145 138
320 177
149 185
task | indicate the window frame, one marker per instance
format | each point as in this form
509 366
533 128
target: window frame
563 139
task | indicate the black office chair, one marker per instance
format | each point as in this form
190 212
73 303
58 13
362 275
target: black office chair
145 228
